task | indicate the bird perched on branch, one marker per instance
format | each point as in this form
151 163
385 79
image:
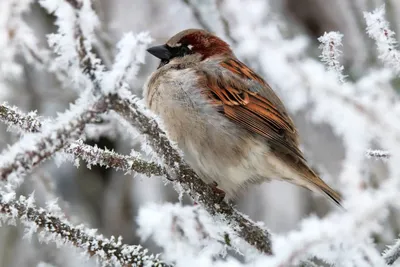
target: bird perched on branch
231 126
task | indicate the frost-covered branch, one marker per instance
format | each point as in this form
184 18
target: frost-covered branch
110 159
378 29
72 43
133 111
58 230
330 47
392 253
378 154
13 117
35 148
131 53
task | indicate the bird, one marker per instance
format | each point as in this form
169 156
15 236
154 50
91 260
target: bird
233 130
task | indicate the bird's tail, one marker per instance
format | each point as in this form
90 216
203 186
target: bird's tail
331 194
315 183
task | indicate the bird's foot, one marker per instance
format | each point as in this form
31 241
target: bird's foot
218 192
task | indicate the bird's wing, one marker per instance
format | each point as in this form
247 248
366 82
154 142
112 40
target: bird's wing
246 99
257 110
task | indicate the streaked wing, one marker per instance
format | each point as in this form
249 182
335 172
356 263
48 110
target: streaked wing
253 110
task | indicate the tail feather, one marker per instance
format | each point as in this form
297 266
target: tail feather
331 194
321 186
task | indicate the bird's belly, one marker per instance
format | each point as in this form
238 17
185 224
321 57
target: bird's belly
220 152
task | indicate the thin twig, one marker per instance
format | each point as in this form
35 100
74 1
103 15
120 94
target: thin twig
35 148
111 159
92 155
58 229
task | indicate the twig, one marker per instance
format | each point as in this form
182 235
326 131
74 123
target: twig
378 29
15 118
35 148
58 229
330 47
378 154
110 159
92 155
392 253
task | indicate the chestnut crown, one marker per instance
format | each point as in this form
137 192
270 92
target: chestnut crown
191 41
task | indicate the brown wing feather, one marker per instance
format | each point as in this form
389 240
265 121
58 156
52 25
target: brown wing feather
252 110
262 113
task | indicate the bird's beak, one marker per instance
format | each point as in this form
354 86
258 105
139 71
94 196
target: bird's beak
160 51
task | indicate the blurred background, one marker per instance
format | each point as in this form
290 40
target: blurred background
285 36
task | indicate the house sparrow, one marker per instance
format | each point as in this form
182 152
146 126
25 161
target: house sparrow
231 126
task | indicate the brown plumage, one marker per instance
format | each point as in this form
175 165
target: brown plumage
201 84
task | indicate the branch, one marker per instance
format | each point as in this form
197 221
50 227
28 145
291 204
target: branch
110 159
132 111
330 43
392 253
56 229
76 23
35 148
378 29
13 117
378 154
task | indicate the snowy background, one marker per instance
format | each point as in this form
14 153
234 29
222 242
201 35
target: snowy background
335 67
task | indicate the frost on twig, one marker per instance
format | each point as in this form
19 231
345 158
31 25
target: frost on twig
110 159
392 253
136 114
72 43
58 230
92 155
34 148
131 53
378 29
13 32
378 154
14 118
330 43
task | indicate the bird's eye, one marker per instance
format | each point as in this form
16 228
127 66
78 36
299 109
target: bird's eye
185 50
